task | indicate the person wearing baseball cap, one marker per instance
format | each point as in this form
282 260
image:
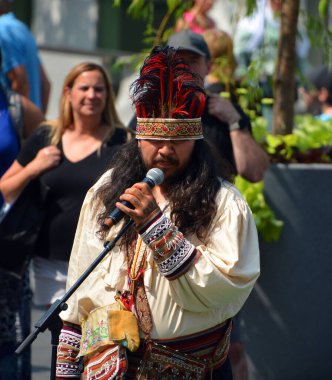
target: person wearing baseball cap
225 124
190 41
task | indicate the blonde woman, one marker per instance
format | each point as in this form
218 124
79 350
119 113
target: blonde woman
68 155
223 63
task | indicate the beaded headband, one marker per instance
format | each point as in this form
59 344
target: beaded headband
169 129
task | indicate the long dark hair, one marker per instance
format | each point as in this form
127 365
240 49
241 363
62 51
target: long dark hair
192 195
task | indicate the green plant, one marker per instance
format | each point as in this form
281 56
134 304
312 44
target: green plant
145 10
267 224
310 141
154 34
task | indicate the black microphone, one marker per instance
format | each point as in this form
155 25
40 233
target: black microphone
153 177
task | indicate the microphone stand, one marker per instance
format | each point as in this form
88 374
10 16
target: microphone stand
51 319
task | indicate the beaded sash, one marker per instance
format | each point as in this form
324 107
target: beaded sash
161 362
137 289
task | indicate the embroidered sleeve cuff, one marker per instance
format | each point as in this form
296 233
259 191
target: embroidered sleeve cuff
172 252
67 366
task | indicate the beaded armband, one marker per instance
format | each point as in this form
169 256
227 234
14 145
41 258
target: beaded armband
172 252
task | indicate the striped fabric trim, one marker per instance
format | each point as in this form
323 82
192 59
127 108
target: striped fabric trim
173 253
201 344
67 366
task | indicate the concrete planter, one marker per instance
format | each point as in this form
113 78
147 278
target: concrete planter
287 319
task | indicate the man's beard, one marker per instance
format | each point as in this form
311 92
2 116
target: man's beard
171 179
174 178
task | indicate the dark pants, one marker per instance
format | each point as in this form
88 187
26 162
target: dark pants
15 298
222 373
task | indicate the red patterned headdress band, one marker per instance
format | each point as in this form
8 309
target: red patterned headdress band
169 98
169 129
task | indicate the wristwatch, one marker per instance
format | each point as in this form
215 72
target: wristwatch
234 126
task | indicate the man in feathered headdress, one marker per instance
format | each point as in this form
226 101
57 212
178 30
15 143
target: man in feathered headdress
161 303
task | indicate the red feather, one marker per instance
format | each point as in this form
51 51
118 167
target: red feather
167 88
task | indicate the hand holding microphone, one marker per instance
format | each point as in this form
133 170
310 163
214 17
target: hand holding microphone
137 202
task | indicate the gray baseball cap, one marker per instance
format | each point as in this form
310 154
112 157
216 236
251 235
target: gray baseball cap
190 41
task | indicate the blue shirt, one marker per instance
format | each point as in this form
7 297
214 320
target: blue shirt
324 117
18 47
9 142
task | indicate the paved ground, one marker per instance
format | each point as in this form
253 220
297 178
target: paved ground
41 351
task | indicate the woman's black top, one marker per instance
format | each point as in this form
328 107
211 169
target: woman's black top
68 184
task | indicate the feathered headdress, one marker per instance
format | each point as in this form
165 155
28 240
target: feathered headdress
168 97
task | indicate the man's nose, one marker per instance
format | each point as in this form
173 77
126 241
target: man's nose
166 147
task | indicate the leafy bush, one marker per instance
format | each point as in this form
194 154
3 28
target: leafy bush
310 142
267 224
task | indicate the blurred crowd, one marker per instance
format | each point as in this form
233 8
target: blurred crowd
70 153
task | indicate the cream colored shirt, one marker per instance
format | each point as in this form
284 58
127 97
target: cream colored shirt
211 291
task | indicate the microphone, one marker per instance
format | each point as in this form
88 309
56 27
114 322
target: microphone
153 177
